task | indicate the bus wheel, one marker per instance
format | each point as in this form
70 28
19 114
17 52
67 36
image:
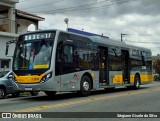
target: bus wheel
136 82
85 86
2 93
50 93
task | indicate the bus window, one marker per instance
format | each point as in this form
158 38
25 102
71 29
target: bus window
143 58
68 53
115 59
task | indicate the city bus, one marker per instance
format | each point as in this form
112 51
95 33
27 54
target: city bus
59 61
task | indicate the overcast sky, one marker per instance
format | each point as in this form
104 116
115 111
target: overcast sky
139 19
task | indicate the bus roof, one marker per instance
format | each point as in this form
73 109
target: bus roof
98 39
85 32
113 42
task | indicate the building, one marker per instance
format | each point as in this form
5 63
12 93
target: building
12 23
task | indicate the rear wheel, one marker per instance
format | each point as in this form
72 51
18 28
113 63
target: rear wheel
136 82
85 86
2 93
50 93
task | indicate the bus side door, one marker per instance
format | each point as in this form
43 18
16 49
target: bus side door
103 70
125 66
65 67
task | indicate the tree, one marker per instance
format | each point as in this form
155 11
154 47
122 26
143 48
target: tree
156 67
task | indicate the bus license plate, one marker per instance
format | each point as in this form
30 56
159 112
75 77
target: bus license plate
28 89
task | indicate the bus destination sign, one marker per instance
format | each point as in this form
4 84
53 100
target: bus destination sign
38 36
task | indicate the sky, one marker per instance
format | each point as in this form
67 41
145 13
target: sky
139 20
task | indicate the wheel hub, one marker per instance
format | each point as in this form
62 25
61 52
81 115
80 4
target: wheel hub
86 86
137 84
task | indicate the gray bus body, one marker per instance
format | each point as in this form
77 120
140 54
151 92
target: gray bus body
78 63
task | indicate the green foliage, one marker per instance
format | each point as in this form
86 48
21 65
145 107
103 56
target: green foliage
156 66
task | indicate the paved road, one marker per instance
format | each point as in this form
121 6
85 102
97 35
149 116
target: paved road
146 99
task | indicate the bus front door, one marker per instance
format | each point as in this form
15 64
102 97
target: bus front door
125 66
103 69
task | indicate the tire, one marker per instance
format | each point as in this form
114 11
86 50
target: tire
2 93
50 93
34 93
136 82
85 86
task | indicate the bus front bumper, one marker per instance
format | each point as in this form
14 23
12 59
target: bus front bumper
34 87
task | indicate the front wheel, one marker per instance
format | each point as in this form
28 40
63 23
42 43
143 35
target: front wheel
2 93
85 86
50 93
136 82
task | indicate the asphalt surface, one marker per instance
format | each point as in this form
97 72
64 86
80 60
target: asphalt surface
100 105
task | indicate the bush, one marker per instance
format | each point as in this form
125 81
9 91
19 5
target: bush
156 77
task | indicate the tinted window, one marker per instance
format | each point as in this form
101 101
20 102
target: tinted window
74 53
115 59
68 53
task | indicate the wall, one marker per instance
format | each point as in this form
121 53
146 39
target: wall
3 40
23 25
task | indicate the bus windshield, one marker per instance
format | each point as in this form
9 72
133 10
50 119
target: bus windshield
31 55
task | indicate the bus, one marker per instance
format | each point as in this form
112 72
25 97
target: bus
59 61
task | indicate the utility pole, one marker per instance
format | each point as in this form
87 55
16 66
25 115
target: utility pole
122 36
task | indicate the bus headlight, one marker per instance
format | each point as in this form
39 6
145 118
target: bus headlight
46 77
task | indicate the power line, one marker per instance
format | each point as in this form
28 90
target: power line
148 35
92 8
42 5
155 49
144 35
142 42
74 7
63 8
84 7
23 1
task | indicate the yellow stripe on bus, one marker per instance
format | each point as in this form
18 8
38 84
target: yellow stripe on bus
132 78
118 79
29 78
41 66
146 78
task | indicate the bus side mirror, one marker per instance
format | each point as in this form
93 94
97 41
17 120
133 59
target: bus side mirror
7 47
